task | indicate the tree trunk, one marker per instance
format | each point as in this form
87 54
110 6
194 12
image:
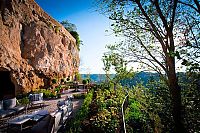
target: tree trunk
175 92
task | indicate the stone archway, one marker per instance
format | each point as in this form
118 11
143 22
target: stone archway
7 88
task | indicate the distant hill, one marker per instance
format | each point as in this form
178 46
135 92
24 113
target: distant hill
142 77
96 78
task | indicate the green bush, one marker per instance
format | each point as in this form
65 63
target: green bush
82 114
88 80
24 101
58 95
77 37
141 114
54 81
105 109
57 29
84 81
85 107
101 111
46 93
57 89
79 96
53 95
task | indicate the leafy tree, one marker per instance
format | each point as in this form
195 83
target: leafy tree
73 31
188 49
68 26
77 79
190 84
119 65
142 112
151 29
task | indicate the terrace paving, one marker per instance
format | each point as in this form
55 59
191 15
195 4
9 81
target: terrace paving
51 105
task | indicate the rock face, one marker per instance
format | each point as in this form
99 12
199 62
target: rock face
34 48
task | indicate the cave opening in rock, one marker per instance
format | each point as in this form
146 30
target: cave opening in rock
7 88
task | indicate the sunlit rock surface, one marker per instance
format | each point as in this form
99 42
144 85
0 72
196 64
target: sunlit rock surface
34 47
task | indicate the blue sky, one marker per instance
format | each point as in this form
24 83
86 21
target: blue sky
90 25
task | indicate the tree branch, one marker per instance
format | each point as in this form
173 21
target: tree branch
173 15
155 2
193 7
157 35
161 65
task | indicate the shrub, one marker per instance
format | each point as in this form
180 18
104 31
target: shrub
57 89
54 81
141 114
77 37
79 96
82 114
53 94
105 110
47 93
84 82
50 25
57 29
58 95
24 101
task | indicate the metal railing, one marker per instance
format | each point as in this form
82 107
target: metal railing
124 106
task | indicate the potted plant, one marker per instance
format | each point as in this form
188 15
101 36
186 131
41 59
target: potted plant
84 83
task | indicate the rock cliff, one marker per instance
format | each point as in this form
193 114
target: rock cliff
34 48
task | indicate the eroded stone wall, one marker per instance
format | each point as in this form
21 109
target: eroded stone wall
33 46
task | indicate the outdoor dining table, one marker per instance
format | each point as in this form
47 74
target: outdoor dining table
34 116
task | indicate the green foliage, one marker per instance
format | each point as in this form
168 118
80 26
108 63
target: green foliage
119 64
24 101
88 80
100 111
142 112
69 26
58 95
75 124
50 25
191 101
77 37
85 107
72 29
79 96
134 112
84 81
52 95
155 33
160 102
57 89
77 76
54 81
57 29
105 110
47 93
